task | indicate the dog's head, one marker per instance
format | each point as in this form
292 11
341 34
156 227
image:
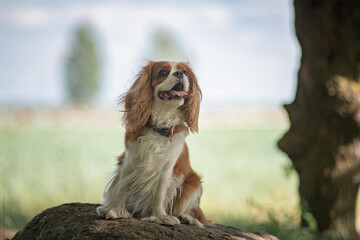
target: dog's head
164 84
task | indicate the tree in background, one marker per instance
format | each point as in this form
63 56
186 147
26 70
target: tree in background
83 67
323 141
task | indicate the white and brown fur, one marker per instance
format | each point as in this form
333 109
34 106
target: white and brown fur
153 178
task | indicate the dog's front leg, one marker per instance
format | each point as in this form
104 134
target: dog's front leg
115 197
158 213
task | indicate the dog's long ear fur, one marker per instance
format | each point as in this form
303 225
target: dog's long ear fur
137 101
191 106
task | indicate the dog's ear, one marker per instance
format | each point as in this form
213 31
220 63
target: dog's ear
138 100
191 106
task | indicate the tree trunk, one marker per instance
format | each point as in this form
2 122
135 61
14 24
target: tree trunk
323 141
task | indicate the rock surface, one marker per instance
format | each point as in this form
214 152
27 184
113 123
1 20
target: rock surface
80 221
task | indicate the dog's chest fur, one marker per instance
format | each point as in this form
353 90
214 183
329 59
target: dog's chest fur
151 161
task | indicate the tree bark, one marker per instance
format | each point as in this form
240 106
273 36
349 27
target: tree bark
323 141
80 221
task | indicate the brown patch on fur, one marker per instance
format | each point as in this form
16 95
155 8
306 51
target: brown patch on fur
157 67
190 186
191 106
138 100
182 165
132 136
120 159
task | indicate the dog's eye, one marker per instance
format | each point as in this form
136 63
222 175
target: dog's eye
163 73
185 73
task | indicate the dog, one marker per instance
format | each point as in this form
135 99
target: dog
153 179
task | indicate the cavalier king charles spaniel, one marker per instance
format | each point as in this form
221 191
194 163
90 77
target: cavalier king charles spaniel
153 179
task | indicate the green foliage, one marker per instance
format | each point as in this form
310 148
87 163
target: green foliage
83 67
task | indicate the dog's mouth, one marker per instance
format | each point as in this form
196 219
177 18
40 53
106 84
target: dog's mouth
177 92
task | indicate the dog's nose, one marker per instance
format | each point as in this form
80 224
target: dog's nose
178 74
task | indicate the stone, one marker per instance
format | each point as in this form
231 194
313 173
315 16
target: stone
80 221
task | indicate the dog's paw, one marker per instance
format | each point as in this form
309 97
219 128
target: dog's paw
163 220
113 213
186 218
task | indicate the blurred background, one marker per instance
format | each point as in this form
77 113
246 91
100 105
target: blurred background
63 65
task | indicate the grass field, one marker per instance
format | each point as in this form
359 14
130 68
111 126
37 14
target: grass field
43 165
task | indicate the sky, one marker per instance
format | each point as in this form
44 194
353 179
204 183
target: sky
243 52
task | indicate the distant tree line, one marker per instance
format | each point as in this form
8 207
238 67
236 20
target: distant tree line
83 67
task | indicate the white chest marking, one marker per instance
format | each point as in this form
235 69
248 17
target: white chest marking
148 171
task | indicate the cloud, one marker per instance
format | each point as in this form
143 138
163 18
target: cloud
28 17
217 16
122 17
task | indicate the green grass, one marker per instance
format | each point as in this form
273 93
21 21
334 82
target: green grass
45 167
244 182
242 165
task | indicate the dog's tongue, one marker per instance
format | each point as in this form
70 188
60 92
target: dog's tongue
179 93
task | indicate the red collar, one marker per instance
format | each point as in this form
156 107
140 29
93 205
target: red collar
166 132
